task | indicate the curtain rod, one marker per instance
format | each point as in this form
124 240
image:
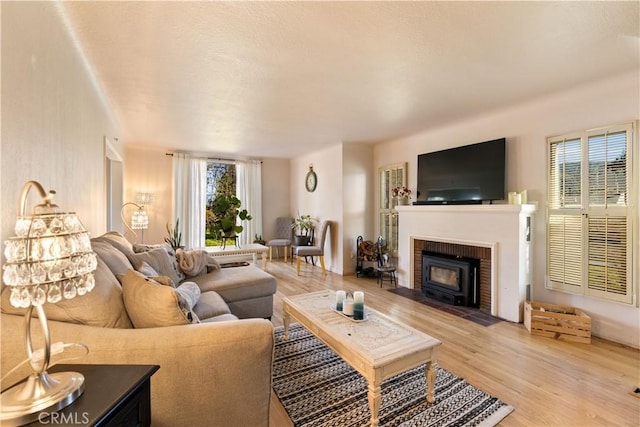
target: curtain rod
219 159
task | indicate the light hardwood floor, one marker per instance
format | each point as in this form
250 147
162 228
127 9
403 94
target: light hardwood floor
548 382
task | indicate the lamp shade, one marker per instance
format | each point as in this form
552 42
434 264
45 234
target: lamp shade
140 220
49 259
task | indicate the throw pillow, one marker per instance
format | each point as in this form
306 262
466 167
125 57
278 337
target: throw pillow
138 248
188 296
115 260
159 260
150 304
147 270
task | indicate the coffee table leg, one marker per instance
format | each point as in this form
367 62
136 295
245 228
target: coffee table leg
375 398
264 260
430 372
285 321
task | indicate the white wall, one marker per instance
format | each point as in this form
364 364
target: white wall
358 193
276 194
326 202
149 170
53 117
526 127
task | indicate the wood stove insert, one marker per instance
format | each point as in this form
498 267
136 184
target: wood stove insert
450 279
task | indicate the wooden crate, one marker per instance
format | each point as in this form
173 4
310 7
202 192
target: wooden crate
557 321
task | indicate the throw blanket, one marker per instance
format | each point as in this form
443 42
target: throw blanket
195 262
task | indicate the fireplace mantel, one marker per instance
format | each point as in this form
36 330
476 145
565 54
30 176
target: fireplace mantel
506 229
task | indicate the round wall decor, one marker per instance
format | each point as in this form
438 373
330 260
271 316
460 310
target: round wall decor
311 180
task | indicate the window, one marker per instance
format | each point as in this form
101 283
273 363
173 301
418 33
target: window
221 180
589 213
390 176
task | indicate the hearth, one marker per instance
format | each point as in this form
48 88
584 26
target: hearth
454 280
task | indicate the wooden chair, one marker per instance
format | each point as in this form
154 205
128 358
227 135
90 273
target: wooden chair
314 250
284 233
385 268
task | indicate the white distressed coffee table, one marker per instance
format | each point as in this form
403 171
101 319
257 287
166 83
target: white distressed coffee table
251 248
378 348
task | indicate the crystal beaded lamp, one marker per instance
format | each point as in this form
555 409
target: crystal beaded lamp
139 219
48 260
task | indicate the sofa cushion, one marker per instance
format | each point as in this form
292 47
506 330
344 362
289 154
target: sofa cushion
210 305
103 306
150 304
113 258
117 240
238 283
159 260
147 270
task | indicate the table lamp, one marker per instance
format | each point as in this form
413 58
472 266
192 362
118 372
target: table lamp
49 259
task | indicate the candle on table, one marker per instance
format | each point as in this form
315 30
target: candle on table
340 297
358 305
347 307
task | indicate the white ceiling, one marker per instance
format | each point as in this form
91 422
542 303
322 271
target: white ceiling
278 79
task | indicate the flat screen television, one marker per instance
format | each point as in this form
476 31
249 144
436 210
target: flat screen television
463 175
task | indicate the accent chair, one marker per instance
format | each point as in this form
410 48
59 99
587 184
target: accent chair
314 250
284 233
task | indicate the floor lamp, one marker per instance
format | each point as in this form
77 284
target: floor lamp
139 218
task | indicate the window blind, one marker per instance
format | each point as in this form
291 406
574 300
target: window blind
588 213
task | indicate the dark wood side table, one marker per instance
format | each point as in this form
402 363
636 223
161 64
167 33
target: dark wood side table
114 395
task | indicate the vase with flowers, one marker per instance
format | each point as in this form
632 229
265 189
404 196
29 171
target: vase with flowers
401 194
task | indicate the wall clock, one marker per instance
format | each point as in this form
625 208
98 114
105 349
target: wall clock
311 180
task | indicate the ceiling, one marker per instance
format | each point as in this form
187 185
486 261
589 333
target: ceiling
279 79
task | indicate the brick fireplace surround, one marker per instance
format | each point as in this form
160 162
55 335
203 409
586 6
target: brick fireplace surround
477 252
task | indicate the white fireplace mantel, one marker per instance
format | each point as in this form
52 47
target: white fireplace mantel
506 229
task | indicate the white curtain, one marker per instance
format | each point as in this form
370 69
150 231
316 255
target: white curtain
189 201
249 191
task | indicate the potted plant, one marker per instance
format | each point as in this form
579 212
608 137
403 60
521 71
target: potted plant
303 224
175 236
226 211
258 239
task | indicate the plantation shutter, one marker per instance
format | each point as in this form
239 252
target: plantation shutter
588 215
565 221
391 176
609 249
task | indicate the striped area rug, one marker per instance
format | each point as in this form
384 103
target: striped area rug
317 388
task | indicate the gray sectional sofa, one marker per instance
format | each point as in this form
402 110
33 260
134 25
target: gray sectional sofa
215 366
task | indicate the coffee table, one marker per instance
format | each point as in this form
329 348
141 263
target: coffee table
378 347
251 248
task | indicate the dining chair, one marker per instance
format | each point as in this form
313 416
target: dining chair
314 250
284 233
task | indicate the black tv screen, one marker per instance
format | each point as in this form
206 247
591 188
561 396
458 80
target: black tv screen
463 175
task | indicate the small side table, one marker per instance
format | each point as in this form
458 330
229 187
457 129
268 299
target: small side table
114 395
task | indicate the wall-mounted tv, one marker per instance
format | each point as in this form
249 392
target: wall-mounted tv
463 175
